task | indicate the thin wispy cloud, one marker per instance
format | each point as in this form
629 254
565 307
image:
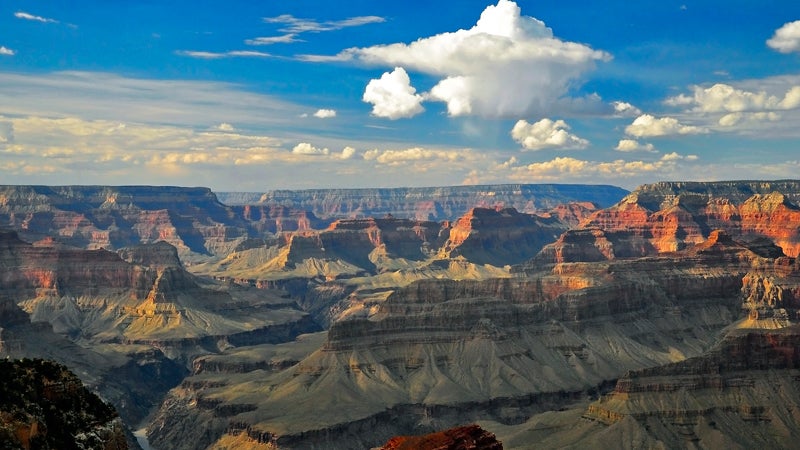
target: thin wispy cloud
269 40
220 55
297 25
27 16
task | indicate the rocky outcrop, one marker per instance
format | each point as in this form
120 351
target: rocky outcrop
667 217
45 406
431 203
466 437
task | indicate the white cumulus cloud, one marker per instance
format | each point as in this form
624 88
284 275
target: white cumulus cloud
507 64
786 38
632 145
392 96
5 51
347 153
649 126
738 118
409 155
325 113
674 156
545 134
224 126
625 109
304 148
726 98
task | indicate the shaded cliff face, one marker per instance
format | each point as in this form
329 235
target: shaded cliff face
191 219
667 217
500 237
441 352
45 406
433 203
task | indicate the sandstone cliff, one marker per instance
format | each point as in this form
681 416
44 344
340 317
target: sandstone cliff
92 217
431 203
667 217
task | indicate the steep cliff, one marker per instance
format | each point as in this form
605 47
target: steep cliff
430 203
500 237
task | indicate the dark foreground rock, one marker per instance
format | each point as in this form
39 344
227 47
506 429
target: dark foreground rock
45 406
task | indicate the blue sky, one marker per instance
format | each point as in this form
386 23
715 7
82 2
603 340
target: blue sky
243 95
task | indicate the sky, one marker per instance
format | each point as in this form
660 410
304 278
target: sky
259 95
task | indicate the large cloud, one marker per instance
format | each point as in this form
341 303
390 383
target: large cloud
545 134
507 64
392 96
649 126
786 38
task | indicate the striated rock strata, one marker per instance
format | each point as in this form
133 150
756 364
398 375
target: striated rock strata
742 394
429 203
667 217
112 217
139 313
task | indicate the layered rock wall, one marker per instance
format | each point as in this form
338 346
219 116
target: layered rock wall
433 203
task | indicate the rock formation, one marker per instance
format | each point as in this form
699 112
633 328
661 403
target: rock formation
440 352
92 217
430 203
667 217
466 437
133 310
45 406
742 394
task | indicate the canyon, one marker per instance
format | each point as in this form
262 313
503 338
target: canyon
340 319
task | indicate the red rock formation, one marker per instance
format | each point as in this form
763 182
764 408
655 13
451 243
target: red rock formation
470 437
91 217
668 217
